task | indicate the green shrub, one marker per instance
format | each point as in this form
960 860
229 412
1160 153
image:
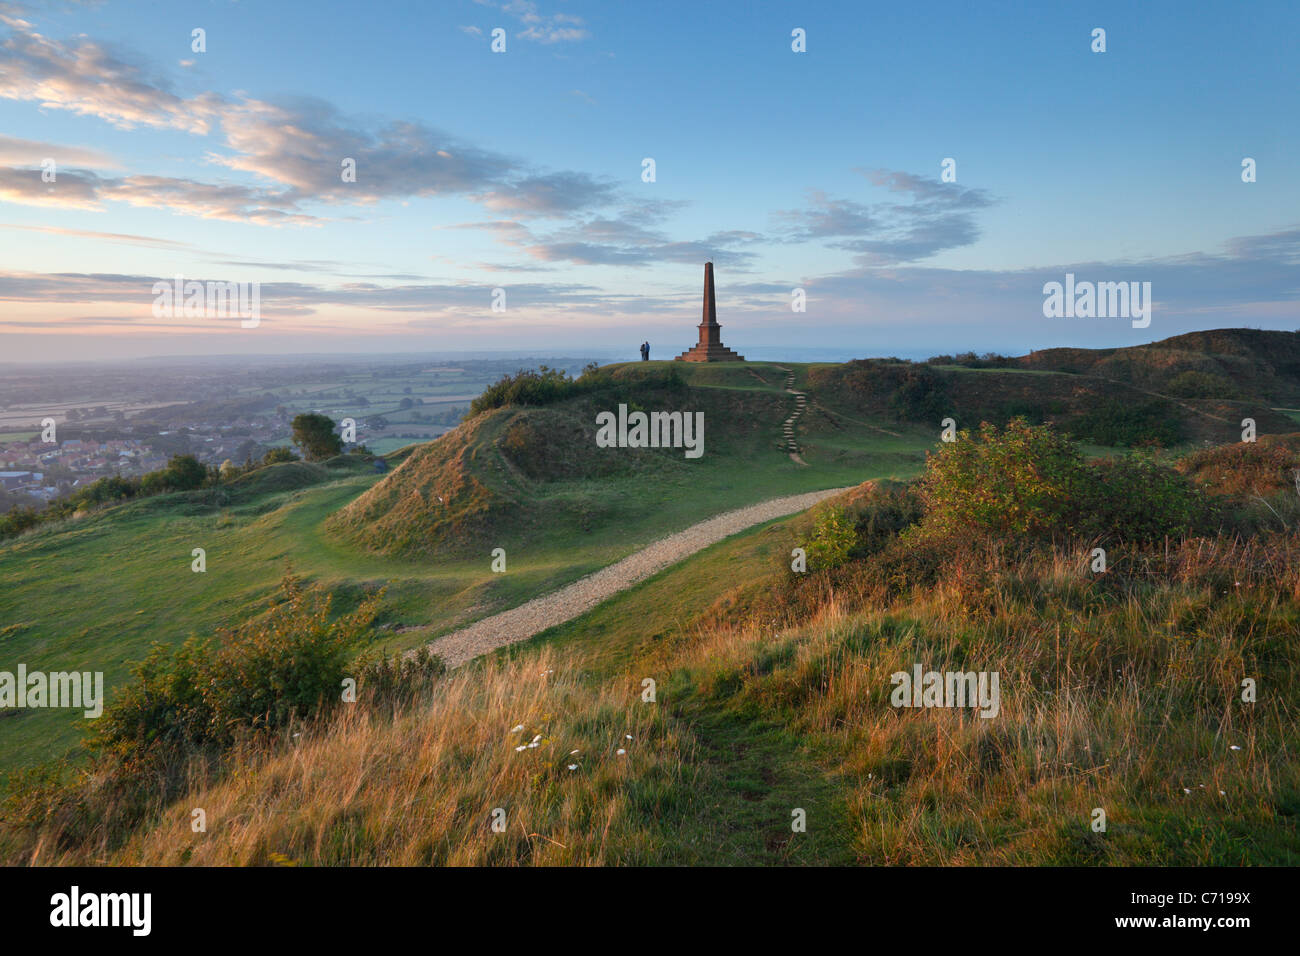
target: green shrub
1028 482
1137 499
1193 384
287 665
279 454
888 511
833 538
531 387
1024 481
920 395
1127 424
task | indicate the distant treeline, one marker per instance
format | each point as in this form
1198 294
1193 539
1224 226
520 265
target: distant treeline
545 386
971 360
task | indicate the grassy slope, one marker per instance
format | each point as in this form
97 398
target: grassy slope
1106 703
127 569
95 593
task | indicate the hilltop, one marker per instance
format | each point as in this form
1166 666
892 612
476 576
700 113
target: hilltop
523 476
1219 363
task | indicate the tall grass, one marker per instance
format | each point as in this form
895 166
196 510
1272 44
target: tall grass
1116 694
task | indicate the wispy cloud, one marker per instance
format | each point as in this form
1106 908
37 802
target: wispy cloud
29 152
934 216
541 27
106 236
299 146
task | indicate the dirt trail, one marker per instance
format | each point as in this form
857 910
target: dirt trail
527 620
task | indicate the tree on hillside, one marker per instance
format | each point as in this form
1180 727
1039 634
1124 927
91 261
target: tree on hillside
184 472
277 455
314 434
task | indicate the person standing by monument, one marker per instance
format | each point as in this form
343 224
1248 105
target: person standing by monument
645 351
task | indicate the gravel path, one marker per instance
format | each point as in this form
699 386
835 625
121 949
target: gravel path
521 623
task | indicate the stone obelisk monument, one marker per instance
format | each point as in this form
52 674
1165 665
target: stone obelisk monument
710 347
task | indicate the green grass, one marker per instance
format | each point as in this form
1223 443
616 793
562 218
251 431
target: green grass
94 593
382 446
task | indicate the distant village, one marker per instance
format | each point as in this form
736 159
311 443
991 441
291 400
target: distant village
219 410
45 470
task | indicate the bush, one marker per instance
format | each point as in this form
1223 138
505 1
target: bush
1024 481
1192 384
834 536
288 665
528 387
1137 499
887 512
1124 425
920 395
277 455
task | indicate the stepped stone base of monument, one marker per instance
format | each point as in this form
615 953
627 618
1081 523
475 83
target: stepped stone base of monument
710 353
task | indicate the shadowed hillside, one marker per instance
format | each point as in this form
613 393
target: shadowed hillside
1220 363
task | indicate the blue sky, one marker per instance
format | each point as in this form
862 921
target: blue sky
522 170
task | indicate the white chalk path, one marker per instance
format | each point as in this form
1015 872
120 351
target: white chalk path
535 616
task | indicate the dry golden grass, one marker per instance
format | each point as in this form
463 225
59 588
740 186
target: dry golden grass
419 787
1119 695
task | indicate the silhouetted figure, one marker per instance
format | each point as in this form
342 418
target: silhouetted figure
645 351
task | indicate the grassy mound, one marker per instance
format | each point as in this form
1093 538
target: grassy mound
520 475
